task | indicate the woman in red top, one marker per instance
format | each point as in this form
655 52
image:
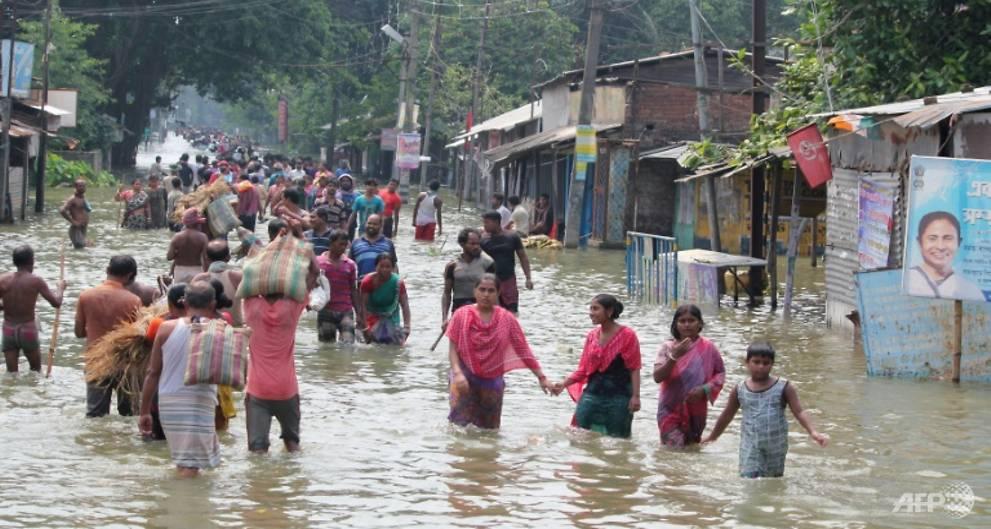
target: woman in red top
606 384
486 343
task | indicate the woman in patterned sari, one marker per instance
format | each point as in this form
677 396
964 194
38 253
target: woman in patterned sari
137 209
606 384
383 296
486 343
691 373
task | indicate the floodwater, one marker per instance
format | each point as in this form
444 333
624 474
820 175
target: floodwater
378 451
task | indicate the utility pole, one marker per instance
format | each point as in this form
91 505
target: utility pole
757 184
39 184
476 87
434 79
8 108
576 191
409 124
702 101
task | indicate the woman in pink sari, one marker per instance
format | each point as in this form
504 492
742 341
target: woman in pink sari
486 343
690 371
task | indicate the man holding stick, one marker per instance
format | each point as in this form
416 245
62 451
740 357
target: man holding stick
19 292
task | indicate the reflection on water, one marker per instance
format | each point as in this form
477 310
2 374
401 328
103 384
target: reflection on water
378 451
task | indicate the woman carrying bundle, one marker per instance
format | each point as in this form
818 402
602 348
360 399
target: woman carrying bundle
187 412
486 343
383 295
137 209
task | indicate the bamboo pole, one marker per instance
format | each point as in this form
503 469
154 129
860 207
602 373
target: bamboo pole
58 314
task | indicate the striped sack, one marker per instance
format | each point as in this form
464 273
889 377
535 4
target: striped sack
279 268
218 354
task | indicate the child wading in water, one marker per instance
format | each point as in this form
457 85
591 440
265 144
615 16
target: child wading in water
764 431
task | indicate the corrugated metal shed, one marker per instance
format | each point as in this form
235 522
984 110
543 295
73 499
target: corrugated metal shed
507 120
842 208
904 107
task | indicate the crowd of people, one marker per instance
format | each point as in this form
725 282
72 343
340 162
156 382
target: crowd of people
353 236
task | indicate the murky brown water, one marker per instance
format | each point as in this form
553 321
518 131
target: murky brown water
378 451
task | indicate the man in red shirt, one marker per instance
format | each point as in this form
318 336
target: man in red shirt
393 203
272 389
98 311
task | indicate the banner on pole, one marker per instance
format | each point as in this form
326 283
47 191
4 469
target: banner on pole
585 147
23 66
877 200
811 154
387 142
408 150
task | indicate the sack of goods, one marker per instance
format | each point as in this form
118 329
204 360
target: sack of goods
218 354
221 216
279 268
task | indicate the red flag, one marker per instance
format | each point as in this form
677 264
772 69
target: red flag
811 154
469 123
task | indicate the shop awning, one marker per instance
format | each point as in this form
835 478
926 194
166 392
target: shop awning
521 146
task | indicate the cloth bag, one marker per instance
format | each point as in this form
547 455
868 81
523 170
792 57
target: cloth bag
279 268
221 216
218 354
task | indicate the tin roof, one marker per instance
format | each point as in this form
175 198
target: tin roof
506 120
925 112
535 141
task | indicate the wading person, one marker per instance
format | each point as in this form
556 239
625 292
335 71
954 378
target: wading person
504 247
137 211
336 320
186 412
218 255
366 205
521 217
427 219
19 293
173 198
498 203
365 250
486 343
462 274
606 384
187 250
76 210
393 203
690 371
98 311
383 297
319 233
272 389
248 202
158 202
764 429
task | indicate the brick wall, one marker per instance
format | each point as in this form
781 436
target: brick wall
672 111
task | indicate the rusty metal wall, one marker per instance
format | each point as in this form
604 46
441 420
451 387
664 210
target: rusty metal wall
972 136
842 209
886 148
912 337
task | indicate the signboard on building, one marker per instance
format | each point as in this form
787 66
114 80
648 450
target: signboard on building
283 119
23 66
877 200
388 140
585 146
408 150
948 229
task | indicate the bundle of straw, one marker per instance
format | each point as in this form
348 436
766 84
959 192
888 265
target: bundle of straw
122 355
200 198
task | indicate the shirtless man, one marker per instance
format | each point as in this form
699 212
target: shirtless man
19 291
219 255
76 210
187 251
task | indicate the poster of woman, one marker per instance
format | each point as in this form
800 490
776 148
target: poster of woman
948 235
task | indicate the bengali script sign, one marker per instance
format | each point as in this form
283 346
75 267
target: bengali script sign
948 229
877 199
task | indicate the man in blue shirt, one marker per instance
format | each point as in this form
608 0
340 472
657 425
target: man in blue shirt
366 205
365 249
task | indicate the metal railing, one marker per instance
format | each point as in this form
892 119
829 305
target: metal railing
651 268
